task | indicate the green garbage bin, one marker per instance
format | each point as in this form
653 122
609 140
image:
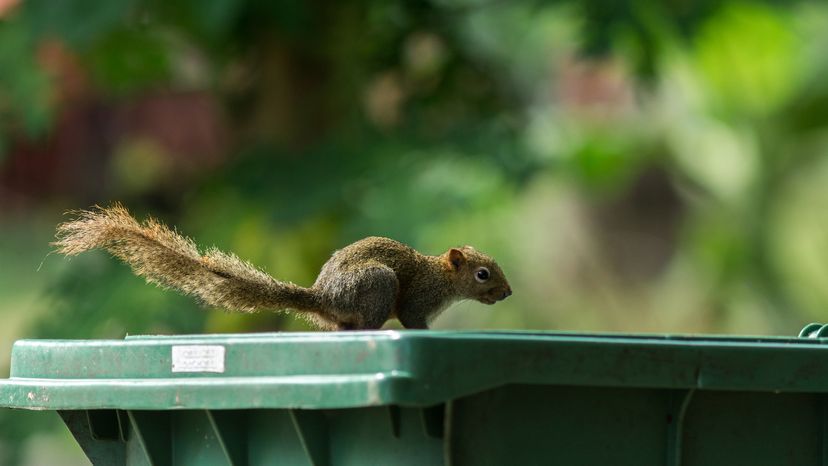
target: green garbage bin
431 397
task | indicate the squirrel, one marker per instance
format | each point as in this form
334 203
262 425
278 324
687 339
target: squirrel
360 287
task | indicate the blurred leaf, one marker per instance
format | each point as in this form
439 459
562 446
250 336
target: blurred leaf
799 232
77 22
718 244
25 91
718 157
129 59
208 22
140 165
602 163
749 56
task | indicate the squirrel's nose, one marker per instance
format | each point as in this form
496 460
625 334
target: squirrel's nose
506 293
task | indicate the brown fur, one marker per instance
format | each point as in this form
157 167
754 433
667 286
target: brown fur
360 287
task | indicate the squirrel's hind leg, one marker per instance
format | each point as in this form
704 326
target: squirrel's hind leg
363 299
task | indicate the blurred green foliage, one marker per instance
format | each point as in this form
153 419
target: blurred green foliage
634 166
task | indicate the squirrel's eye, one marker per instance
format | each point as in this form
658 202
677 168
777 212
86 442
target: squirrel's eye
482 274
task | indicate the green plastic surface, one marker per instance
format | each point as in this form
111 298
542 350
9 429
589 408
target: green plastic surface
426 397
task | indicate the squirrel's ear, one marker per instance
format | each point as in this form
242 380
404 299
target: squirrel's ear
456 258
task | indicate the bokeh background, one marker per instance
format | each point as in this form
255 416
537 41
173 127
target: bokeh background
635 166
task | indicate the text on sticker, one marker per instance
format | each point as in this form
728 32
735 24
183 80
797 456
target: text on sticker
198 358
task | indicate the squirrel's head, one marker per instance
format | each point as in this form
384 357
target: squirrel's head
476 275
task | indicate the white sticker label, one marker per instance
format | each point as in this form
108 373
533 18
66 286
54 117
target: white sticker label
198 358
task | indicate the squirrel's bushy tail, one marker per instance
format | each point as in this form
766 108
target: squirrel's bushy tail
168 259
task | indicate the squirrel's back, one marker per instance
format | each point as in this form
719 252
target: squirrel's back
377 248
401 258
